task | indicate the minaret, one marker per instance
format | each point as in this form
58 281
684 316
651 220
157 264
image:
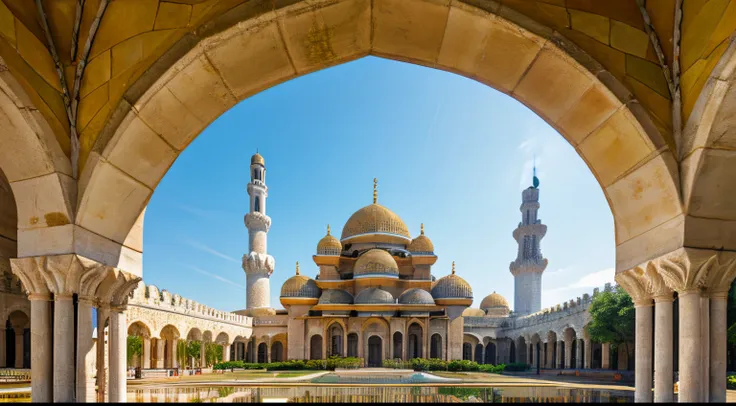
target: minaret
258 265
529 264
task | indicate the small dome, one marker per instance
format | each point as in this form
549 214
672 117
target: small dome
300 286
374 296
416 296
494 300
421 245
470 312
375 263
452 287
329 245
257 159
335 296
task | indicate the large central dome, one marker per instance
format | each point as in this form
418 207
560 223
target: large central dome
375 223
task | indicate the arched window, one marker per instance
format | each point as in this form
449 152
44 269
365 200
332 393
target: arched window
414 350
257 206
352 345
262 353
467 351
315 347
479 353
277 352
435 350
491 353
398 343
336 337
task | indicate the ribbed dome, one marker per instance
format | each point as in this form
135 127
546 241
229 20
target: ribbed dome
257 159
300 286
416 296
374 296
374 219
329 245
494 300
452 287
375 263
335 296
470 312
421 245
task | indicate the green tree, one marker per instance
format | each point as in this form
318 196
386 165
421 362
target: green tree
213 353
135 348
613 318
181 353
193 348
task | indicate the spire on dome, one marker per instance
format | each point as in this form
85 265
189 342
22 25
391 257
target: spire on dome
422 230
375 190
297 267
328 229
535 179
453 267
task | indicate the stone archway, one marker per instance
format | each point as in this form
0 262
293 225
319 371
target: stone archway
618 142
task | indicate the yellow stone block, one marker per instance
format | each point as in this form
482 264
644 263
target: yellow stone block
488 48
590 24
172 15
96 73
695 78
555 14
253 60
90 105
660 108
724 30
170 118
319 37
124 19
410 29
698 25
35 53
7 24
553 84
648 73
596 106
629 39
615 147
126 54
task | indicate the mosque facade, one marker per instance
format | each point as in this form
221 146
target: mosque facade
376 297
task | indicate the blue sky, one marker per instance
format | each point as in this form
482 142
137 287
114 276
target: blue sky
447 151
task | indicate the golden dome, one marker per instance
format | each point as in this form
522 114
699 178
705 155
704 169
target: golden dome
471 312
374 296
376 263
421 244
375 219
329 245
494 300
416 296
257 159
452 287
300 286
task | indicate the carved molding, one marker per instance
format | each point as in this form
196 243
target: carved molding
257 263
257 221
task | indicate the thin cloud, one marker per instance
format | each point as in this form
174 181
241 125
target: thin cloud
594 280
207 249
215 276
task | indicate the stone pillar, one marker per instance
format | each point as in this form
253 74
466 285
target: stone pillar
705 348
160 353
41 350
2 346
226 352
717 367
643 337
102 390
690 351
86 355
605 355
579 354
146 364
568 354
663 351
63 348
118 348
172 356
588 348
18 347
202 358
560 360
533 356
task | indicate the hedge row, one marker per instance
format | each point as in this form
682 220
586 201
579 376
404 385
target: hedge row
435 364
293 365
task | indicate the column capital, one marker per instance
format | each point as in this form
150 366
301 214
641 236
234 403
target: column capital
64 274
39 296
91 301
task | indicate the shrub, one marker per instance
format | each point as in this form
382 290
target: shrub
464 365
731 382
493 369
517 367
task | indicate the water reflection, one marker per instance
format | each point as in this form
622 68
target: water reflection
377 394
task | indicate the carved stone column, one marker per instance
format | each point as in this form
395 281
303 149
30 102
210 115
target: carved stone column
160 356
173 353
63 348
663 346
226 352
579 354
118 348
202 351
588 347
559 358
605 355
568 354
146 362
103 312
85 351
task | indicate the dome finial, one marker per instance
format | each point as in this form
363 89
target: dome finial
535 179
422 231
297 267
375 190
328 229
453 267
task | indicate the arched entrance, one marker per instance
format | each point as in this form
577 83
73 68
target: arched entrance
398 345
436 346
352 345
262 353
491 353
315 347
479 353
375 350
336 337
277 352
467 351
414 349
512 351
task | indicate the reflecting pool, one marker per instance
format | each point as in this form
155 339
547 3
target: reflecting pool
331 393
